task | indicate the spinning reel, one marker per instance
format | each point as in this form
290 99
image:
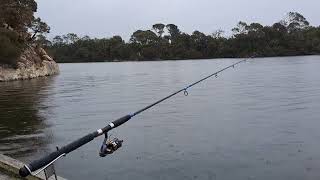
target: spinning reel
109 146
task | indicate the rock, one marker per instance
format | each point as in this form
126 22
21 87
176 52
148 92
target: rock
46 57
31 64
42 52
47 68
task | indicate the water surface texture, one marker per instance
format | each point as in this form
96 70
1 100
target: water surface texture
257 121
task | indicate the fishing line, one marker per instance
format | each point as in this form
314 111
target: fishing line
185 89
108 146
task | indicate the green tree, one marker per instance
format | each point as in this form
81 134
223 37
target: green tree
240 29
72 37
17 14
38 27
42 41
143 37
16 22
159 29
173 31
10 47
217 34
57 40
295 20
249 39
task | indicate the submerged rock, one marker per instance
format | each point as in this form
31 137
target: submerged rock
33 62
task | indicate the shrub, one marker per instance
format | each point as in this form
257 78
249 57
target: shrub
10 47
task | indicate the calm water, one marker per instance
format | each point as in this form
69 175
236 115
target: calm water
258 121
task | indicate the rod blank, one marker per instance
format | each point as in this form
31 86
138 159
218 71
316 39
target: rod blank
37 164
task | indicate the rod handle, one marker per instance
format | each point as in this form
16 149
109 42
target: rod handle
37 164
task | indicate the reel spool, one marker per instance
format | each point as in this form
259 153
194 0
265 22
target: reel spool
109 146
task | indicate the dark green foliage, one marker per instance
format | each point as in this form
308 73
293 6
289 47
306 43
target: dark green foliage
18 14
38 26
42 41
16 22
291 36
10 47
159 29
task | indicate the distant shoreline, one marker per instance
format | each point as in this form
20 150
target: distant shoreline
291 36
159 60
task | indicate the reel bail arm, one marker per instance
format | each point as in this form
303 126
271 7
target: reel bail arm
109 146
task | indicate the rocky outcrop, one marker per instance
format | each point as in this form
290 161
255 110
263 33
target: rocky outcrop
34 62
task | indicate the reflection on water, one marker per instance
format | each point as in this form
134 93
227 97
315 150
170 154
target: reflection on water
22 128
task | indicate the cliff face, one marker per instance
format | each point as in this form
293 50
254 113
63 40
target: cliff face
33 62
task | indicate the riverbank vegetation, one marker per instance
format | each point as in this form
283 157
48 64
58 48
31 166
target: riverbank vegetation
291 36
19 29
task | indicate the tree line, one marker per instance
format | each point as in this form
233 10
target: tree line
291 36
19 28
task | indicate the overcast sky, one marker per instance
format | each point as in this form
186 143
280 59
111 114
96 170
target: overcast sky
105 18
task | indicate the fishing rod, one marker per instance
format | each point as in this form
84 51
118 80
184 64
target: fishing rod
108 146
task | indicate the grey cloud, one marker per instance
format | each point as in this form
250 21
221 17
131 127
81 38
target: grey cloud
105 18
